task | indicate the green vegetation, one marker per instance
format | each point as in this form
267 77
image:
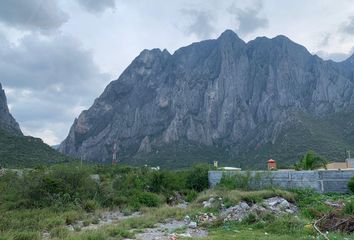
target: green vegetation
311 161
351 184
328 136
44 200
70 186
23 151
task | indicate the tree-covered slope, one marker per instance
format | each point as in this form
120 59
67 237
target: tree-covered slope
24 151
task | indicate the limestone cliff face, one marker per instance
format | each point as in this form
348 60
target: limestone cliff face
7 122
222 92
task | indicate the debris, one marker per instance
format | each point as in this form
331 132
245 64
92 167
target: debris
206 218
275 205
334 204
334 221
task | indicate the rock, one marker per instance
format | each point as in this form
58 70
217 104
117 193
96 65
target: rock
7 122
187 219
46 235
192 225
96 178
206 204
237 212
221 92
275 205
71 228
182 205
209 203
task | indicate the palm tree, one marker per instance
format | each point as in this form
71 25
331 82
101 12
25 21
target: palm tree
311 161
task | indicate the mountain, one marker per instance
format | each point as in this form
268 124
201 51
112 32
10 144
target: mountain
17 150
223 99
7 122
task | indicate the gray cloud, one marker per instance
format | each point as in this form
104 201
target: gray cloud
42 15
97 6
336 56
201 23
248 18
48 82
348 26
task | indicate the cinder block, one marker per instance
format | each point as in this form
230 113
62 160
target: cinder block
336 174
304 175
340 186
315 185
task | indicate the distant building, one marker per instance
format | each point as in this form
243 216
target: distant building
349 163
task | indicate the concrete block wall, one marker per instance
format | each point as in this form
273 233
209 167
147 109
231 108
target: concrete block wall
322 181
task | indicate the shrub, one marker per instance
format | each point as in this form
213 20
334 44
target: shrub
147 199
351 184
71 217
349 207
191 196
197 178
90 205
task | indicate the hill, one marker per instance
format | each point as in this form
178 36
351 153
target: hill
25 151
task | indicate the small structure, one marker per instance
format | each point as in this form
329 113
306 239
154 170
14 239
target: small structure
229 168
216 164
272 165
348 164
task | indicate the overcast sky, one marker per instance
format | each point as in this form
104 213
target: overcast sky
56 56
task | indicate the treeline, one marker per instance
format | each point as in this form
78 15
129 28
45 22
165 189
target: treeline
91 187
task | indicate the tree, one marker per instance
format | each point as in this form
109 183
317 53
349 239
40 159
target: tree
311 161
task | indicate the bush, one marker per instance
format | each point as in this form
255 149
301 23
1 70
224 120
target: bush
191 196
351 184
349 207
197 178
147 199
90 205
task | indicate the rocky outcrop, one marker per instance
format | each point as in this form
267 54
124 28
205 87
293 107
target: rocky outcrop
215 93
7 122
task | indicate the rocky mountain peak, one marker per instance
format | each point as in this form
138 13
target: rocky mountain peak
7 122
215 94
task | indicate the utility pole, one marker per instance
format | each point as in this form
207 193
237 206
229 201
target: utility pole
348 154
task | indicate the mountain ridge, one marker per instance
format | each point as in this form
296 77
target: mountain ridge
223 93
